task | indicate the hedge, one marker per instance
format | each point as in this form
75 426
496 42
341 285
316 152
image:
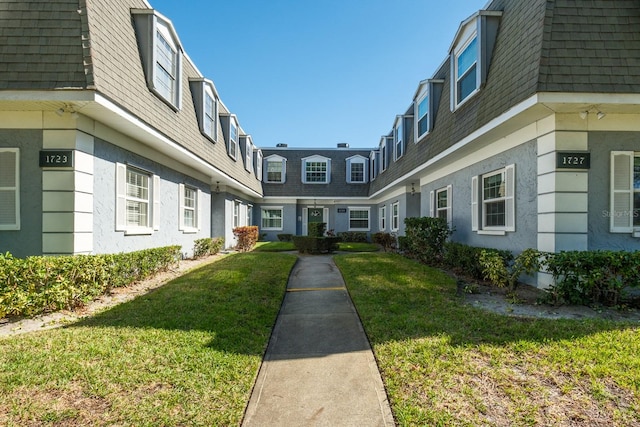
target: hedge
315 245
353 236
247 237
207 246
40 284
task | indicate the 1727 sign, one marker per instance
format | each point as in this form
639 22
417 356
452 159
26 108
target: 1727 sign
56 158
573 160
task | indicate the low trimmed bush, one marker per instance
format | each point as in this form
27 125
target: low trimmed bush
353 236
465 259
386 240
285 237
247 237
316 229
425 238
40 284
207 246
315 245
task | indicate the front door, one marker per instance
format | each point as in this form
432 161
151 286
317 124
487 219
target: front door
313 214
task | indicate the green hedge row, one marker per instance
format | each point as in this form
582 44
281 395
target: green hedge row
315 245
40 284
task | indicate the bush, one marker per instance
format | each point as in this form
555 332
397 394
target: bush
247 237
503 272
40 284
464 259
592 277
207 246
386 240
315 245
353 236
285 237
316 229
425 238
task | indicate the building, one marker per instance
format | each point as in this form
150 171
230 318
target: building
527 136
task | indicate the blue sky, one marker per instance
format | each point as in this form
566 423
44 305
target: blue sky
317 73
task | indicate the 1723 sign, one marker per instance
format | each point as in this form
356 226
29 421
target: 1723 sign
56 158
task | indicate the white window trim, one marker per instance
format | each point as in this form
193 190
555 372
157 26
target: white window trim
478 203
259 160
275 159
622 193
423 96
15 189
272 208
398 140
205 116
121 202
233 143
237 204
248 155
197 209
433 203
357 159
360 209
454 80
395 216
382 218
316 159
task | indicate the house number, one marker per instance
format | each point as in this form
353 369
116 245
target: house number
579 160
56 158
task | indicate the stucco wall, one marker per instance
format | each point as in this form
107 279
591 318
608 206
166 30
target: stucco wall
106 239
600 145
28 240
525 159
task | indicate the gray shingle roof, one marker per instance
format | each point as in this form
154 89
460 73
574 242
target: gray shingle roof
41 45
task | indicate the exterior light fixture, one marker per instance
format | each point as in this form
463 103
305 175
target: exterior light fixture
583 114
600 115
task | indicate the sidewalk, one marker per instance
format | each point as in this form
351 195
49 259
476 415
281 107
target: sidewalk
319 369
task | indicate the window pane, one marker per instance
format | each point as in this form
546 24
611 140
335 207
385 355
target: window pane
357 172
209 115
137 185
272 218
467 84
423 107
137 213
636 173
495 214
636 209
359 219
423 125
316 171
7 207
493 187
442 199
468 57
166 65
274 171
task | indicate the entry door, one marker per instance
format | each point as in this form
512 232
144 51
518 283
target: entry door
314 214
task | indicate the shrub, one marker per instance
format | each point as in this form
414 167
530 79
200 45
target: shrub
247 237
504 272
592 277
40 284
315 245
353 236
207 246
464 259
316 229
285 237
386 240
425 238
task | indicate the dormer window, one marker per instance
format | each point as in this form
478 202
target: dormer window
398 138
161 54
233 139
248 153
471 53
205 101
384 153
258 167
425 104
276 169
373 162
357 170
316 170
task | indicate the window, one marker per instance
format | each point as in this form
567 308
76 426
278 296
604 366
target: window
357 170
9 189
382 218
422 115
275 168
496 196
395 216
384 152
233 139
161 55
373 164
272 218
359 219
205 101
471 54
190 206
249 214
259 165
425 104
398 138
316 170
625 193
138 200
466 71
441 203
248 153
236 213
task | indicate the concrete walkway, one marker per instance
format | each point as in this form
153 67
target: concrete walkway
319 369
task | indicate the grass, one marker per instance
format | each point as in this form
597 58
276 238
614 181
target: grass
342 246
185 354
445 363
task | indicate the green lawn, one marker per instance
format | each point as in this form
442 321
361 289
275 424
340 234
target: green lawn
185 354
445 363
